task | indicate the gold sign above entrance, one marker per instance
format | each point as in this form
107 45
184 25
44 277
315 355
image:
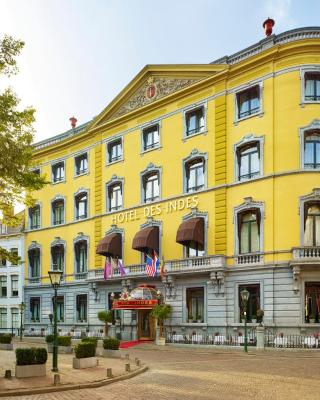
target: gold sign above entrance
155 210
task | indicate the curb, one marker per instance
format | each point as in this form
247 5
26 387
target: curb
63 388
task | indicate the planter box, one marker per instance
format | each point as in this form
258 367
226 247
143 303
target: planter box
79 363
6 346
61 349
161 341
29 371
111 353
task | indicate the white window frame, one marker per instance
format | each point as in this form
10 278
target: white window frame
78 192
58 197
113 181
192 156
65 171
75 164
148 171
242 89
109 142
303 71
147 126
314 125
189 109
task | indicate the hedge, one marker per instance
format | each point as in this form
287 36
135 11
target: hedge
5 339
62 340
111 343
31 356
90 340
85 350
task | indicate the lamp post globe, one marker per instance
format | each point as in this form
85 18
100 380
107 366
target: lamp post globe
245 298
55 279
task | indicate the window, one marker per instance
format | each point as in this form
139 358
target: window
195 304
194 249
14 286
248 102
82 308
195 175
14 253
3 262
312 149
15 317
114 196
116 314
311 303
58 172
81 164
81 201
81 250
151 138
195 121
34 217
3 286
35 309
312 86
312 224
3 318
151 187
114 151
34 262
60 308
253 302
57 257
249 231
58 212
248 161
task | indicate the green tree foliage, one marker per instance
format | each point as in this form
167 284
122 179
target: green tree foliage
106 317
16 137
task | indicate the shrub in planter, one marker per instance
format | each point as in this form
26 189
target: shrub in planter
31 356
5 339
90 340
64 341
49 339
111 343
85 350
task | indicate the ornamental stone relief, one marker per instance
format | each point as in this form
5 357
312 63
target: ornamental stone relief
153 89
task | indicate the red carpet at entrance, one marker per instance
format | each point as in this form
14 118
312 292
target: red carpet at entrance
126 345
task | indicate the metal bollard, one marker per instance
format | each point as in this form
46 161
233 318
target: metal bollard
56 379
109 372
7 374
138 363
127 367
127 356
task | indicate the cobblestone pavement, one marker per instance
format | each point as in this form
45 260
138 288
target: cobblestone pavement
201 374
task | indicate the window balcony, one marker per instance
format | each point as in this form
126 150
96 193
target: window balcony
79 276
249 258
306 253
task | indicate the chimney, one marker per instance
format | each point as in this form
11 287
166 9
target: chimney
73 121
268 25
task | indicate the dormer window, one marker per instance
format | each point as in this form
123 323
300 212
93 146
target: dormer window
312 86
248 102
81 164
114 151
195 121
58 172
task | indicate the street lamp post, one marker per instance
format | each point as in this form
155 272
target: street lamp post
55 279
22 307
245 297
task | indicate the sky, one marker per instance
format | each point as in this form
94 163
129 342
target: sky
79 54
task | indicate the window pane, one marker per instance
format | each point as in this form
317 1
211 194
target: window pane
195 304
15 318
3 318
244 166
255 242
255 163
253 302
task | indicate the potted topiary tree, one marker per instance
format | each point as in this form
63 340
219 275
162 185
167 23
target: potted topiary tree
106 317
111 348
31 362
64 344
85 355
5 342
161 312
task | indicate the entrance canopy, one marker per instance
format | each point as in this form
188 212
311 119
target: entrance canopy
110 246
142 297
147 238
191 230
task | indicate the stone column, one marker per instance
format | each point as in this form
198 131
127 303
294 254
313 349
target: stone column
260 337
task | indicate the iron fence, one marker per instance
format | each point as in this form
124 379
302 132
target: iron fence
281 340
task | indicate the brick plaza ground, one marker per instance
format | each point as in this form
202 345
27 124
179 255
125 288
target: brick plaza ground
192 373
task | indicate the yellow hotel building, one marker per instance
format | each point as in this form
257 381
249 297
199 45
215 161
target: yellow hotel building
214 168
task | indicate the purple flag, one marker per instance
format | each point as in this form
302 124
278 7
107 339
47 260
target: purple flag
121 268
107 269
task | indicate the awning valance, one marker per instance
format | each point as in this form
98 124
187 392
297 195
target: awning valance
147 238
134 304
110 246
191 230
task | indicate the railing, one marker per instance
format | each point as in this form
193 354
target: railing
137 269
306 252
193 263
249 258
292 341
81 275
33 281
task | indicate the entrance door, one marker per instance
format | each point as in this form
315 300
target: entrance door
146 325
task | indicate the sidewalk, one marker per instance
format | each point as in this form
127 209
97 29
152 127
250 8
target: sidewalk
69 378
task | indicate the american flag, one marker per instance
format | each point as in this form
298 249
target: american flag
150 266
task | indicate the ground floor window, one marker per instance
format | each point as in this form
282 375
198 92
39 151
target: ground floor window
35 309
15 317
116 314
253 301
3 318
60 308
195 304
82 308
312 302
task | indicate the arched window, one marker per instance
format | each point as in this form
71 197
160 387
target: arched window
151 186
58 212
34 263
249 231
195 175
248 161
81 255
57 257
312 224
81 205
115 196
34 217
312 149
